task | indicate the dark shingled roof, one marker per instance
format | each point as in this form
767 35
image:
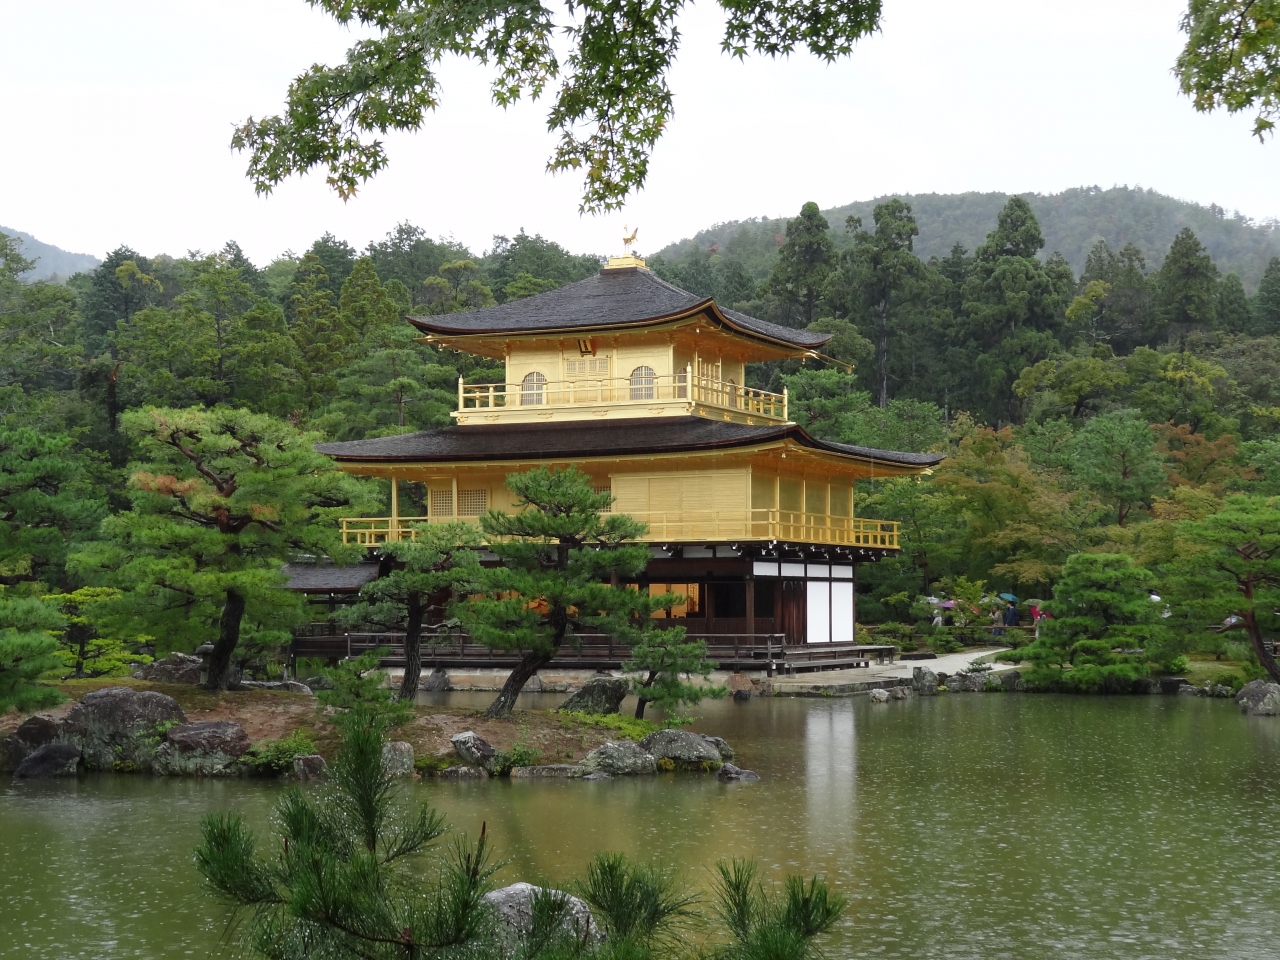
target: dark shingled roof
328 577
608 299
592 438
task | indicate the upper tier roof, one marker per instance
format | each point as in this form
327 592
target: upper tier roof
541 441
612 299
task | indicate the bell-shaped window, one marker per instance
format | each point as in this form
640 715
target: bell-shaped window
642 381
533 390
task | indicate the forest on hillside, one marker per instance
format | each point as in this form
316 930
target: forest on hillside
1109 417
1072 222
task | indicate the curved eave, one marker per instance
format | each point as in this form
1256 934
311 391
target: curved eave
438 333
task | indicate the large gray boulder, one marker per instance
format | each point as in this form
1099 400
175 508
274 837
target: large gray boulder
1011 680
925 681
118 728
722 746
397 757
437 682
175 668
463 773
681 750
208 748
34 733
598 695
51 760
879 696
318 682
309 766
514 908
966 682
1259 698
731 774
619 759
473 749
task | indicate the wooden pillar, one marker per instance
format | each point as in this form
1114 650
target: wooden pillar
855 603
709 598
751 606
394 533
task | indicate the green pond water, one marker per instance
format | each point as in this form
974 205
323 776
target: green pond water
978 826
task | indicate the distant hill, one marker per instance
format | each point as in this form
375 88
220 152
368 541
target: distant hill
50 260
1071 221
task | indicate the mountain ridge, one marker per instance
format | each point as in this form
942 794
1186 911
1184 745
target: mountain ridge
1071 221
50 261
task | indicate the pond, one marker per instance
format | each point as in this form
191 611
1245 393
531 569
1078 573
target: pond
976 826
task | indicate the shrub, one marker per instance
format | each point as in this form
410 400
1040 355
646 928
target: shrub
520 755
274 757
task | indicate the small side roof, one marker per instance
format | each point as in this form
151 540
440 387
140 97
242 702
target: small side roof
326 577
612 299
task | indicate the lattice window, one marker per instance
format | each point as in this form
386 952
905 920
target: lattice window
441 503
472 503
588 367
607 488
642 380
531 389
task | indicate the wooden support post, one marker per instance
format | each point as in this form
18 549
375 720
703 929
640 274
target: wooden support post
751 608
394 533
709 602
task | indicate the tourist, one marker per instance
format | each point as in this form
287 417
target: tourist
1011 615
996 619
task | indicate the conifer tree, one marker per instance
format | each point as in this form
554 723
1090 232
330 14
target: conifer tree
220 500
47 502
29 629
93 645
1266 303
422 575
666 662
805 261
1232 313
557 555
1186 288
1115 456
1228 578
364 304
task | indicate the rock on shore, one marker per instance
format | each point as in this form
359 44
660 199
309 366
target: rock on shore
1259 698
598 695
619 759
118 728
681 749
209 748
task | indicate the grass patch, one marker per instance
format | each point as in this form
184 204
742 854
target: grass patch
629 728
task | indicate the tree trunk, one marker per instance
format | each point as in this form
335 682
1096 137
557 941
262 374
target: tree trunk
882 356
412 650
641 702
228 639
1260 648
523 672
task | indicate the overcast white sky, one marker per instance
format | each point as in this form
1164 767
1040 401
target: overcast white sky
117 118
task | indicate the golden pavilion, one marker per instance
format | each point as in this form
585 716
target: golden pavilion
643 386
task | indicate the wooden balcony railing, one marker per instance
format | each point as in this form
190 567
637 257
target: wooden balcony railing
624 391
691 526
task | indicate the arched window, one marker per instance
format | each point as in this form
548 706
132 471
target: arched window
531 389
642 379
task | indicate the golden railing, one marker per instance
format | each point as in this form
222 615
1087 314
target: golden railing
624 390
683 527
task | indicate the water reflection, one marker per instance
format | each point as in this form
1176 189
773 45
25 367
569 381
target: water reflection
961 828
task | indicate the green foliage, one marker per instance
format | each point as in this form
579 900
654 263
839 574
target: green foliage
270 758
635 903
559 551
805 262
221 499
1103 630
629 728
28 650
772 928
337 116
1229 61
97 642
1115 456
359 686
665 662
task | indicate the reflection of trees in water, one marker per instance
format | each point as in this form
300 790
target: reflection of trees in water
831 772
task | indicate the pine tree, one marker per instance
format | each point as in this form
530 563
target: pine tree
28 649
1232 312
220 500
93 645
805 261
1266 303
1101 606
665 662
557 556
1115 456
1186 288
1229 578
364 305
421 578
